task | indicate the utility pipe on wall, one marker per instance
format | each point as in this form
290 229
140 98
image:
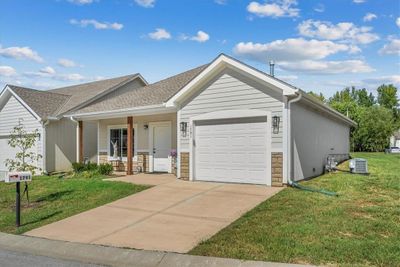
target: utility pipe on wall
289 137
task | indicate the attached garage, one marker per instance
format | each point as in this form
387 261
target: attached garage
233 147
240 125
13 112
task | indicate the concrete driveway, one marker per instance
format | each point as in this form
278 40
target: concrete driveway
172 216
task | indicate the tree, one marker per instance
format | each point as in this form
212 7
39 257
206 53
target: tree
25 158
375 126
364 99
387 97
319 96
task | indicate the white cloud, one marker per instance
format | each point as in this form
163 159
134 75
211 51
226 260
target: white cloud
221 2
50 73
345 31
20 53
291 50
7 71
369 17
319 8
47 70
160 34
97 25
288 78
359 1
275 9
81 2
398 22
201 37
70 77
146 3
376 81
67 63
391 48
327 67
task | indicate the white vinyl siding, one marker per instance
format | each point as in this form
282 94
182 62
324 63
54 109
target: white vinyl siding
314 137
232 91
11 114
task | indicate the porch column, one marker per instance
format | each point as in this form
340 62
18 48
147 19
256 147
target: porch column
80 140
130 146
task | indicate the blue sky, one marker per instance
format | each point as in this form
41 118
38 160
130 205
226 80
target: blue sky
317 45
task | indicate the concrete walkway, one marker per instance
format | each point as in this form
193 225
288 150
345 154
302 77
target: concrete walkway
172 216
118 257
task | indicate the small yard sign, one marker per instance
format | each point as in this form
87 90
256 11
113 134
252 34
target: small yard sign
15 177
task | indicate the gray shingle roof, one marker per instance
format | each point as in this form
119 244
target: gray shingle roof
43 103
152 94
55 102
83 92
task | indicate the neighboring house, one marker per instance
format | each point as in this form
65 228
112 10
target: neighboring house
395 139
227 121
43 110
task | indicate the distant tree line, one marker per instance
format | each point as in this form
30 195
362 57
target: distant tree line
377 117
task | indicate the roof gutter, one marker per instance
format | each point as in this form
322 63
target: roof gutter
145 110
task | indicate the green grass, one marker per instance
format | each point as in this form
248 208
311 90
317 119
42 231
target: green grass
361 227
53 199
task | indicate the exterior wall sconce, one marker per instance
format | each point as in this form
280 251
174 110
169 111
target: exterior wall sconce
275 124
183 126
146 126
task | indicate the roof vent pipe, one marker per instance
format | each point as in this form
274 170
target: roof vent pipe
271 68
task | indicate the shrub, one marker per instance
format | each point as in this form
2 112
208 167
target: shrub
78 167
87 174
91 166
105 169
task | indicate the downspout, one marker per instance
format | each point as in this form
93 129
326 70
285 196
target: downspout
44 147
289 137
289 153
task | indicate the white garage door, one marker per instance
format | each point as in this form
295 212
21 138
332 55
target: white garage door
7 152
233 151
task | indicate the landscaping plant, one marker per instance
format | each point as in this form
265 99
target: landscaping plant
25 159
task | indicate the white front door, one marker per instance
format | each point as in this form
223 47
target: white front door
161 139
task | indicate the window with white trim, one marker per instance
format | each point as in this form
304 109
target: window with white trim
119 141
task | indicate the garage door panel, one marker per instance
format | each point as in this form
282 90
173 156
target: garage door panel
231 151
7 152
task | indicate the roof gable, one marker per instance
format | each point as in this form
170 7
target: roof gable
84 94
221 62
153 94
41 103
53 103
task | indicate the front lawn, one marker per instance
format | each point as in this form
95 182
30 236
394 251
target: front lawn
53 199
360 227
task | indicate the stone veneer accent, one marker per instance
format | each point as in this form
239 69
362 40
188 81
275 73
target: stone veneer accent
276 168
184 165
142 161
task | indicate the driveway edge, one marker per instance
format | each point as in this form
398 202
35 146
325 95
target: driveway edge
112 256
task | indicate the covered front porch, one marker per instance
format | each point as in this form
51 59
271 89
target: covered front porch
134 144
